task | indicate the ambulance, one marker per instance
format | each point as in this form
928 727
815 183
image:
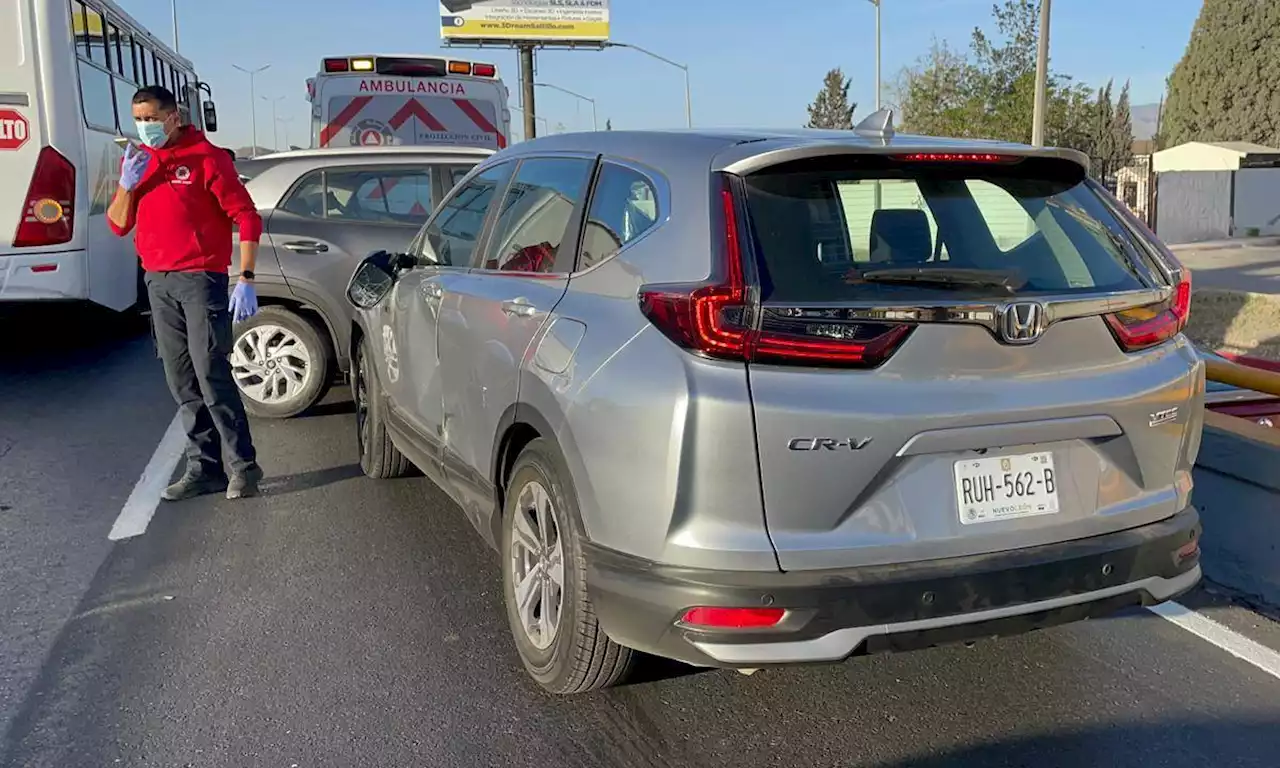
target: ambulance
408 100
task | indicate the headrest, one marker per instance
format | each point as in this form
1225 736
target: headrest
901 236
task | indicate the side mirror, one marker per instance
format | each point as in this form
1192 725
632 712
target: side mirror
210 117
374 277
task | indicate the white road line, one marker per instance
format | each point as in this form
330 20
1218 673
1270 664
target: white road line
1220 635
142 502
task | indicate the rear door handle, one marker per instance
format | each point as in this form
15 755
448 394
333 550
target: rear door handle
519 307
306 246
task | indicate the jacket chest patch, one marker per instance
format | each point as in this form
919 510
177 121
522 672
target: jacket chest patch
180 174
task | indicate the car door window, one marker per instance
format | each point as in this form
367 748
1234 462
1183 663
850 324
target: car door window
364 195
624 206
451 235
536 213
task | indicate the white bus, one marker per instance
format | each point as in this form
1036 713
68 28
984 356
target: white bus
409 100
68 70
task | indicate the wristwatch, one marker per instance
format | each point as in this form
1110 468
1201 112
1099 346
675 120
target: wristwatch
247 274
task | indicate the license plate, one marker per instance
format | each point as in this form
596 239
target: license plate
1006 488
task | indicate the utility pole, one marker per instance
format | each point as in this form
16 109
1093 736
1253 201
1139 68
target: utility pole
1042 77
595 122
253 103
174 7
526 91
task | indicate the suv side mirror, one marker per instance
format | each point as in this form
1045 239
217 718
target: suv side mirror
374 278
210 116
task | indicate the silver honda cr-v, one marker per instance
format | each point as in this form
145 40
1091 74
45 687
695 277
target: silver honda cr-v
754 398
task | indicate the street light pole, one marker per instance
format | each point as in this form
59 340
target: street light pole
174 7
1042 78
877 4
275 118
595 124
688 93
284 122
253 104
545 123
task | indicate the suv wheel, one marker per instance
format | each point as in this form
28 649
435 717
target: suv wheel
379 458
281 362
544 583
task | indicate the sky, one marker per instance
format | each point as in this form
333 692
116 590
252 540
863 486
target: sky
750 63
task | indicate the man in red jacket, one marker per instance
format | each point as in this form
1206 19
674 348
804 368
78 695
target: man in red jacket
183 195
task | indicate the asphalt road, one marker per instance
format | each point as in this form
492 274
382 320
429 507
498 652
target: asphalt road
1251 269
340 621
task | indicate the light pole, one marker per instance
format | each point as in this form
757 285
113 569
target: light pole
545 123
284 122
275 118
253 103
688 94
877 4
174 7
595 124
1042 77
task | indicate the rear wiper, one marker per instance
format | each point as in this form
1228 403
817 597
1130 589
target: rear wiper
942 277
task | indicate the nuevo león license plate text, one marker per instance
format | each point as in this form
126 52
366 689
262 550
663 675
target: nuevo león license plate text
1006 487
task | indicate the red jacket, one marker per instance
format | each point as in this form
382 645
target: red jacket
185 206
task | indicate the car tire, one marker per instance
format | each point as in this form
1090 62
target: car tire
379 458
291 343
575 655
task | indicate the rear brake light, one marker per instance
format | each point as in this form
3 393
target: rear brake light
733 618
484 70
957 157
336 65
716 318
48 210
459 68
1144 327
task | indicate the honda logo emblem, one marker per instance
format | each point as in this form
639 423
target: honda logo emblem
1022 322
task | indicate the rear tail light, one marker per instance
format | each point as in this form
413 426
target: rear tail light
1144 327
459 68
484 70
956 157
732 618
717 318
48 210
336 65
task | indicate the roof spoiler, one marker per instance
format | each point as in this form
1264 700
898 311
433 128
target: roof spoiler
877 125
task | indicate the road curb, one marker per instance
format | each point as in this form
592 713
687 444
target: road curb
1241 449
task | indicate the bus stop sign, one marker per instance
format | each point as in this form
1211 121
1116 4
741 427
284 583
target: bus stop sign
14 129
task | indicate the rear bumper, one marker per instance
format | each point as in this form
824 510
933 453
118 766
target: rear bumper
834 614
58 276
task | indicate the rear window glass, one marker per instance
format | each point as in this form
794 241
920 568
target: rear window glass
836 234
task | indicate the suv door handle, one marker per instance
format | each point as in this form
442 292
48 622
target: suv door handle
306 246
519 307
432 291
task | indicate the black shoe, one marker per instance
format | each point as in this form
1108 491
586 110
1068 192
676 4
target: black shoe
193 484
244 484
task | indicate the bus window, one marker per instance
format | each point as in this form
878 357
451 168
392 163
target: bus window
124 106
129 49
144 67
114 61
97 98
94 34
79 28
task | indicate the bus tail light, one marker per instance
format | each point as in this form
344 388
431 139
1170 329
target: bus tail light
459 68
336 65
48 210
484 70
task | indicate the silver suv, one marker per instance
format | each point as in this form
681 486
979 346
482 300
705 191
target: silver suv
753 398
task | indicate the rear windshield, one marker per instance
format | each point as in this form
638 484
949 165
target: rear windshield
850 232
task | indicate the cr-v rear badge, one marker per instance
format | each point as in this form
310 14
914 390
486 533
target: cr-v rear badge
827 443
1021 322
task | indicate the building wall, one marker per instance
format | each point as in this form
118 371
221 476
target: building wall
1257 195
1193 206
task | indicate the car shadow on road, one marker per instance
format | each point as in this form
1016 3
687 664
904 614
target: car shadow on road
305 481
39 339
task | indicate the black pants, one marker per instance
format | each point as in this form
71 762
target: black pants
193 337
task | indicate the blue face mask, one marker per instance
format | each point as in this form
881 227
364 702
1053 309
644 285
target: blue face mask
152 134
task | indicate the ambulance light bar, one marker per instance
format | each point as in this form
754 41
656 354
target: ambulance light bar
409 67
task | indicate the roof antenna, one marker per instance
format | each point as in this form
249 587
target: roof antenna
878 124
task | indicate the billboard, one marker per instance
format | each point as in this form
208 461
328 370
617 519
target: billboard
582 21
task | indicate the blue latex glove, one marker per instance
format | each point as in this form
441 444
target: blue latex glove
244 302
134 167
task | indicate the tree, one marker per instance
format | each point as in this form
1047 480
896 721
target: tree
831 109
1103 135
1225 86
1122 130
